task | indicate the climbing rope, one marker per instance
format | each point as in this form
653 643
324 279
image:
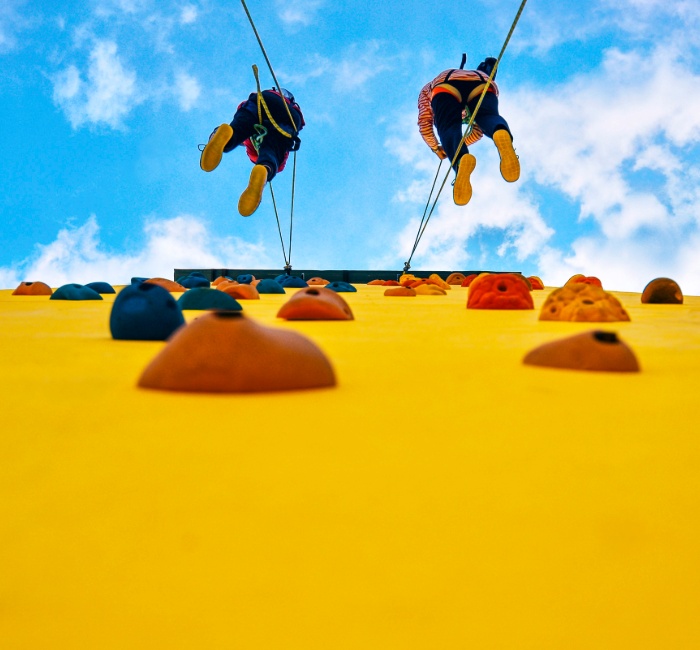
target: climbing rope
470 123
262 132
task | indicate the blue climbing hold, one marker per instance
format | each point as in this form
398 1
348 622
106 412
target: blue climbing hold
144 312
205 298
340 286
194 281
101 287
293 282
138 280
269 286
75 292
198 274
244 278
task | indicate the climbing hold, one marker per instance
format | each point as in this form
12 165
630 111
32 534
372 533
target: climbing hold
437 280
239 291
101 287
168 285
269 286
469 279
663 291
144 312
406 279
75 292
535 282
593 350
582 302
245 278
206 298
292 282
32 289
193 281
198 274
429 289
584 279
315 303
137 280
317 282
220 279
455 278
391 283
224 352
376 282
400 291
341 286
499 291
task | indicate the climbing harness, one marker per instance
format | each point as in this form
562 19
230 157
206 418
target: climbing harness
262 131
470 123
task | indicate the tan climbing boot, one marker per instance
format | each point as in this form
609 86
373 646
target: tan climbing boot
211 155
510 165
462 190
251 197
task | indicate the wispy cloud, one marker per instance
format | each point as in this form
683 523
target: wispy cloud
187 90
298 12
77 254
12 22
188 14
107 94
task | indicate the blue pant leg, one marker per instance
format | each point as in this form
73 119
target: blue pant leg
447 117
488 118
243 125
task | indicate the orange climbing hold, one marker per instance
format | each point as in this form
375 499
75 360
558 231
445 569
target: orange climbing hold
499 291
429 289
317 282
582 302
456 278
32 289
663 291
220 279
594 350
225 352
239 291
535 282
400 291
168 285
437 280
585 279
316 303
469 279
376 282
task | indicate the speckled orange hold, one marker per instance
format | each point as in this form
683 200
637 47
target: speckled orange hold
662 291
429 289
225 352
400 292
499 291
168 285
584 303
536 283
240 291
317 282
585 279
316 303
32 289
594 350
456 278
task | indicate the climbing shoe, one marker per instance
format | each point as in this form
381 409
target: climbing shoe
212 152
510 165
462 190
252 195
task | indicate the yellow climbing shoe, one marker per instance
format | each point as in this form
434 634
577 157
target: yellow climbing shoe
211 155
510 165
462 190
251 197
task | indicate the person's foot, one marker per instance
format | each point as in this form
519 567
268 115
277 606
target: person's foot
510 165
462 190
211 155
252 195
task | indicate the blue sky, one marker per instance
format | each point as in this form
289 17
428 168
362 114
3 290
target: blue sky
103 104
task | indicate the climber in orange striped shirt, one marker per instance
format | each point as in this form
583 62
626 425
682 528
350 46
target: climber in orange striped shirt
442 104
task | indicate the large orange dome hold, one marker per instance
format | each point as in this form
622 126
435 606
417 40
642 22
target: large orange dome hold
168 285
225 352
595 350
32 289
499 291
316 303
579 301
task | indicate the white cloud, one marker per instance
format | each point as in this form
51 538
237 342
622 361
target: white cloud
108 94
77 254
298 12
188 14
187 90
11 23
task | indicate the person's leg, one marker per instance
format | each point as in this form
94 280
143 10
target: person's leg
495 127
447 117
226 137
